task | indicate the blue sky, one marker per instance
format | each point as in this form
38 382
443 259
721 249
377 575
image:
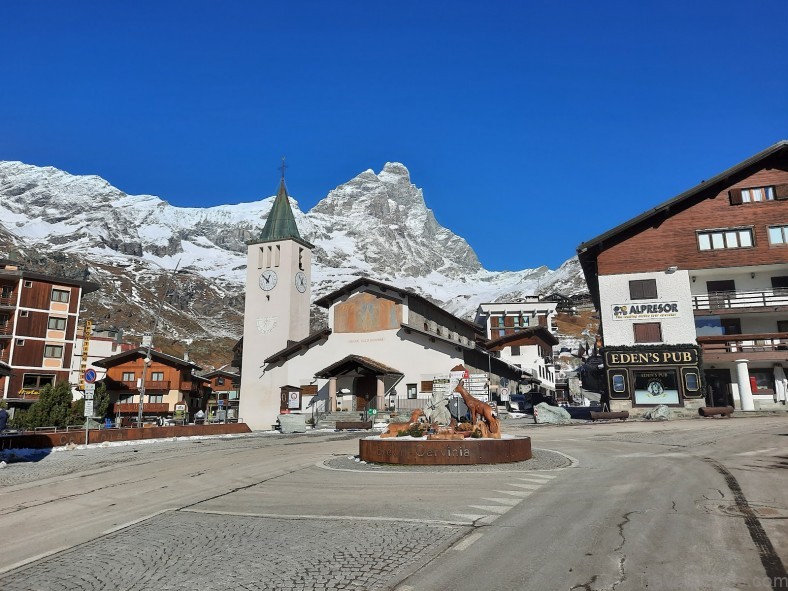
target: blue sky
531 126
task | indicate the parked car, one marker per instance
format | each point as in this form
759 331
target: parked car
519 403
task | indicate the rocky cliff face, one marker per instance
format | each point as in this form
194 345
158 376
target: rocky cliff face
375 225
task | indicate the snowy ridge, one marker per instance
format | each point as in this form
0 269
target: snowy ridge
375 225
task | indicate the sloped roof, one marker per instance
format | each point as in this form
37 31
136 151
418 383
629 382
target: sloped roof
143 352
348 288
281 224
297 346
524 333
588 251
357 363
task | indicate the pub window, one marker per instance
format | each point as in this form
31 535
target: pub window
643 289
157 376
35 380
411 391
28 284
515 350
778 234
53 351
691 381
60 295
57 323
725 238
24 313
647 332
619 383
128 376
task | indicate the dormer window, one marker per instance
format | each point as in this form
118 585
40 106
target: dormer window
757 194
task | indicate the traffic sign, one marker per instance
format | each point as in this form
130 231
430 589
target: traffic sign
88 407
90 391
220 402
90 376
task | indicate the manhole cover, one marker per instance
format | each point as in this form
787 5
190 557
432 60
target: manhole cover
760 511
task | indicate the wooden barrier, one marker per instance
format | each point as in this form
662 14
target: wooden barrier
47 440
342 425
710 411
601 416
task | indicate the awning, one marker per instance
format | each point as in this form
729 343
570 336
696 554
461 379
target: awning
356 366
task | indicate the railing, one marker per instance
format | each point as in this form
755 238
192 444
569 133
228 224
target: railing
745 343
6 329
5 355
9 300
741 299
133 407
149 385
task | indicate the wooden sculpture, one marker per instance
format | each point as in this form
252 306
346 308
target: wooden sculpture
395 429
480 410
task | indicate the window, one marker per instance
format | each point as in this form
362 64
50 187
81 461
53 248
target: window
156 398
411 391
60 295
35 380
24 313
648 332
757 194
20 342
57 323
619 383
157 376
28 284
778 234
128 376
782 326
515 350
764 380
53 351
691 381
643 289
426 386
6 292
722 239
220 380
126 398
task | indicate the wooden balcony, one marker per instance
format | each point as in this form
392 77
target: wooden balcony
753 347
132 386
739 302
133 408
8 301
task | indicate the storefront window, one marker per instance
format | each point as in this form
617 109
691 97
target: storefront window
691 381
619 385
764 380
656 387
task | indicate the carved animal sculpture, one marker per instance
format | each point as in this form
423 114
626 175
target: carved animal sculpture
479 409
395 428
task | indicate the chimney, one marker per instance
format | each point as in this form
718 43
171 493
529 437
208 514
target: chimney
186 356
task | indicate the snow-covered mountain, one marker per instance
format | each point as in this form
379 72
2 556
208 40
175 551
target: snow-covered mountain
375 225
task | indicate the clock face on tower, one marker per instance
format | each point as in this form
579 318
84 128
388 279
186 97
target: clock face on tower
300 281
268 280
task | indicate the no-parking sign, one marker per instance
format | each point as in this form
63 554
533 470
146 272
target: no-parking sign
90 376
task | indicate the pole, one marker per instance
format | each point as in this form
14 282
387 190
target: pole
147 360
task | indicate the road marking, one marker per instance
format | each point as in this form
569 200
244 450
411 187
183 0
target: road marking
528 486
491 508
466 542
470 517
326 517
515 493
509 502
534 480
757 452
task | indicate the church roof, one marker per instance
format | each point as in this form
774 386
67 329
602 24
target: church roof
280 224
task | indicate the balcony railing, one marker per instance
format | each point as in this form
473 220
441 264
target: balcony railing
149 385
9 300
717 300
764 346
5 355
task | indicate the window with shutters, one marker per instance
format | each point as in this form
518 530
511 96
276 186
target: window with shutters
725 238
426 386
643 289
758 194
647 332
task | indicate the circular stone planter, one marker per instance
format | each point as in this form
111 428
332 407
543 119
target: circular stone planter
440 452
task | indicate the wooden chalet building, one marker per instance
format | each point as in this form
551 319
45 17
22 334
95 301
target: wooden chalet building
225 386
39 314
168 381
693 294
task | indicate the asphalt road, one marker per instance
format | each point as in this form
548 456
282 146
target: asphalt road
700 504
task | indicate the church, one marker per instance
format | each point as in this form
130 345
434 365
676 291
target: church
384 348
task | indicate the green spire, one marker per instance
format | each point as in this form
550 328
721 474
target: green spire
280 224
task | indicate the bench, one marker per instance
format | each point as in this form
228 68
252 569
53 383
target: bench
710 411
601 416
344 425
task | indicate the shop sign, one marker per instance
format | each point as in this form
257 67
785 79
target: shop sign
645 311
646 358
656 387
